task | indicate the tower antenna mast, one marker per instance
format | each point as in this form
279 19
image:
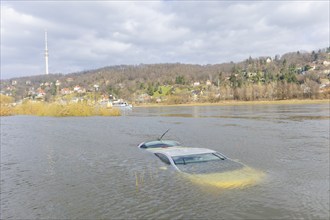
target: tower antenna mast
46 52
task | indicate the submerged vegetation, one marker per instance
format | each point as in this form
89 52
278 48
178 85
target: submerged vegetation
54 109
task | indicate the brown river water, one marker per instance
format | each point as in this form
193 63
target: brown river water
90 167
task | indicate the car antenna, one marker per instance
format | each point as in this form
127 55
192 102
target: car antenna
163 134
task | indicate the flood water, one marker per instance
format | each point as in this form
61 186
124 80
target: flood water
90 167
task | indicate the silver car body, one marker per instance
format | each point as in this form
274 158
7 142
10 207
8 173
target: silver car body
168 155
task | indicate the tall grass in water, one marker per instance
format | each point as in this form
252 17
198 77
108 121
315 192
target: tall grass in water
63 110
6 107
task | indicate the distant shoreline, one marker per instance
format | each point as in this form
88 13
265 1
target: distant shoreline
233 103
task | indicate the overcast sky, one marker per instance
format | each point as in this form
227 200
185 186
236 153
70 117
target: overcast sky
85 35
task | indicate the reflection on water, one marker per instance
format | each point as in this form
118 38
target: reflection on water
179 115
91 168
295 117
51 160
309 117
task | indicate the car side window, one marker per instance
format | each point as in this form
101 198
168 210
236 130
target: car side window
163 158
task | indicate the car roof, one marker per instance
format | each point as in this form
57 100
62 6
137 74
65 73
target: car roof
172 152
159 141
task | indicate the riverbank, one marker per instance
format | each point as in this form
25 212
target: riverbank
232 102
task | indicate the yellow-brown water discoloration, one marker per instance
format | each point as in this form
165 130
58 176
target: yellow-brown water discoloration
232 179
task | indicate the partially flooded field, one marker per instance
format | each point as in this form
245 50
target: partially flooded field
91 168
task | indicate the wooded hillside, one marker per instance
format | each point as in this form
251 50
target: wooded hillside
292 75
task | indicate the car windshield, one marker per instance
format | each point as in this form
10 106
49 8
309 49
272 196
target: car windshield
197 158
157 144
205 163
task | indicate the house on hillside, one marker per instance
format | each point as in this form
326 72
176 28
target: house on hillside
326 63
66 91
10 88
196 83
269 60
40 93
79 89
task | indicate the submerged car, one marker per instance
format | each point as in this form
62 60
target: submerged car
208 167
158 144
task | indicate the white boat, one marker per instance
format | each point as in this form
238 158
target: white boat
121 104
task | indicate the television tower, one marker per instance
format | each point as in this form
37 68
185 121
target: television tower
46 52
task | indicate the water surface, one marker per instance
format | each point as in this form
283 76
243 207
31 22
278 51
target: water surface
90 167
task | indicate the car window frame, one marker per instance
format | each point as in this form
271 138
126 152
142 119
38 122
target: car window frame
163 158
177 159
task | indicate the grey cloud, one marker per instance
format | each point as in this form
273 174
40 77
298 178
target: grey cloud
91 34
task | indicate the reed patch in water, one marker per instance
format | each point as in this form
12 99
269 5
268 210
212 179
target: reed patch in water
62 110
6 108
